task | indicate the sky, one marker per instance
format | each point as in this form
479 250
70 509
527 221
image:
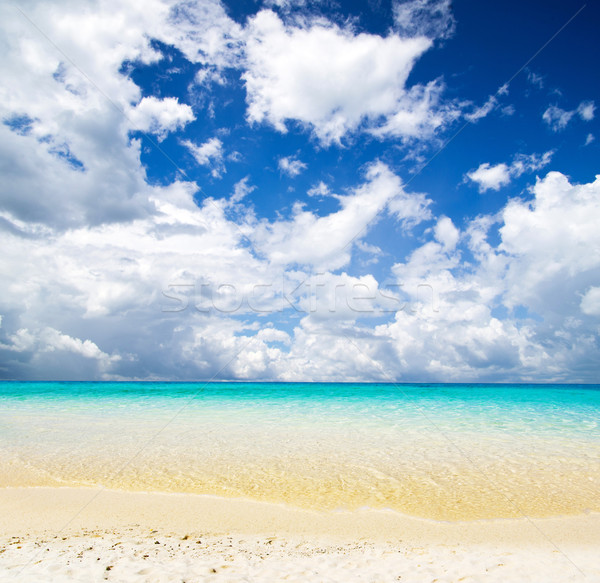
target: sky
300 190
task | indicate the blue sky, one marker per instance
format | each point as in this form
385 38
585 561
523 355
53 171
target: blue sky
300 190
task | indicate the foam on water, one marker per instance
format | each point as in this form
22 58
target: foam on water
439 451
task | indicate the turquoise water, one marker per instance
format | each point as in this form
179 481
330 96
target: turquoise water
443 451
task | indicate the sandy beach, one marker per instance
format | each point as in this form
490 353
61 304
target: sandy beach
283 483
78 534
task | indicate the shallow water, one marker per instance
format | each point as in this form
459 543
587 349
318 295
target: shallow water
439 451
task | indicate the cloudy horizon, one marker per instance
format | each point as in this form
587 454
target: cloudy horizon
299 190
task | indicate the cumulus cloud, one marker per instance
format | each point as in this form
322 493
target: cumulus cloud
590 302
74 146
204 33
210 153
530 163
291 166
242 189
446 233
36 345
148 278
494 177
419 113
558 119
106 276
586 110
445 327
490 177
449 327
160 116
541 233
320 189
332 80
410 209
325 242
55 340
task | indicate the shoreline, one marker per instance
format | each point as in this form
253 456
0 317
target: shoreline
67 509
81 534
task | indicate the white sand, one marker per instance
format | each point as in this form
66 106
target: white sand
68 534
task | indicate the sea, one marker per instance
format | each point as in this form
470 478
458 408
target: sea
438 451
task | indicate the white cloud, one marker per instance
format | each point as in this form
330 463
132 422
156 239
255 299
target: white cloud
530 163
75 99
368 248
87 277
210 153
326 242
49 340
285 4
489 177
241 190
586 110
410 209
291 166
208 75
541 264
549 249
444 327
337 297
55 340
590 302
490 104
535 79
320 189
418 114
20 341
106 276
446 233
430 18
273 335
204 33
589 139
287 78
484 110
332 80
558 118
76 149
160 116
